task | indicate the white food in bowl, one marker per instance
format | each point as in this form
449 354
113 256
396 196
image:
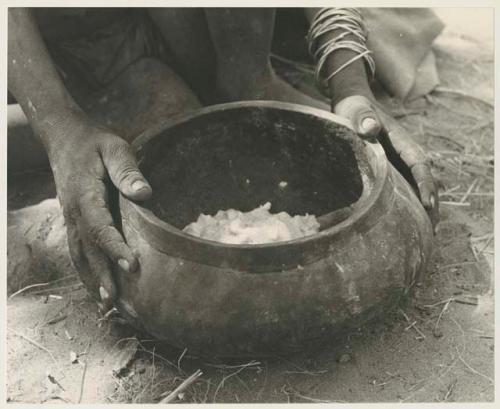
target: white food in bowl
257 226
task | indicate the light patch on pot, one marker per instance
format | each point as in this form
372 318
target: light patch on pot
353 298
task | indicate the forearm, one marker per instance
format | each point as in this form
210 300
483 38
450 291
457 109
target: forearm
33 79
351 80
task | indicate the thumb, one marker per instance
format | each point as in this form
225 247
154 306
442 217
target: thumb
358 109
124 172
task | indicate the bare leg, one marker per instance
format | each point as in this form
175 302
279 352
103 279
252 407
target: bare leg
242 41
186 33
145 94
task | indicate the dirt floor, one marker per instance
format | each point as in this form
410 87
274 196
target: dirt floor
437 348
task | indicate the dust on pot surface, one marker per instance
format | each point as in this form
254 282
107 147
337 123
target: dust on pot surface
235 300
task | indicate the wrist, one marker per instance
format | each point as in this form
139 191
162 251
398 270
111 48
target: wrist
59 128
337 41
345 85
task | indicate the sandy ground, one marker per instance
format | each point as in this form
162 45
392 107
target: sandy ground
439 347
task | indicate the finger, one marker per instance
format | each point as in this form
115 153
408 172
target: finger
434 214
425 184
99 264
359 111
427 191
414 158
101 231
80 261
123 170
75 248
411 153
71 214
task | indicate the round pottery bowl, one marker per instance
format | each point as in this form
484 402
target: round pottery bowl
238 300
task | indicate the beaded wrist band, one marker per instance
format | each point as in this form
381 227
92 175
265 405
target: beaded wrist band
346 21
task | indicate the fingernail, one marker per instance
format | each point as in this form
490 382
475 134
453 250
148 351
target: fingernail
139 185
432 201
124 265
103 293
368 124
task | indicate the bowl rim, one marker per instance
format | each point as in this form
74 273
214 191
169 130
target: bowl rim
159 231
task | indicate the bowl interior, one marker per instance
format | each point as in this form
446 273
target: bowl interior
241 158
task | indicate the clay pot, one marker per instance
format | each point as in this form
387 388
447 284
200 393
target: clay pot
235 300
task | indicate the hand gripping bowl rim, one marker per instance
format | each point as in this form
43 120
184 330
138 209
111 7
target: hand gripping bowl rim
170 240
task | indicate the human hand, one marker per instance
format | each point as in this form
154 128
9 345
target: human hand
89 163
370 121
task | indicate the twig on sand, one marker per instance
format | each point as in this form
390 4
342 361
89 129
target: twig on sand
312 373
473 249
424 382
479 126
450 389
82 382
153 369
459 355
448 203
22 290
223 381
451 190
154 354
441 314
466 299
209 384
122 340
180 359
438 303
475 371
57 319
289 391
485 246
29 287
72 287
475 194
33 342
223 366
450 140
182 387
299 395
472 300
482 238
469 190
412 325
